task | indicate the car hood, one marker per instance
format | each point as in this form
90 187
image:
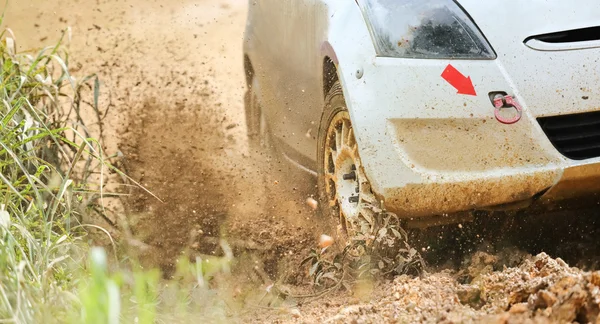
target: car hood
517 20
550 78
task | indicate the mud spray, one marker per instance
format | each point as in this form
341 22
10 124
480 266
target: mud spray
173 80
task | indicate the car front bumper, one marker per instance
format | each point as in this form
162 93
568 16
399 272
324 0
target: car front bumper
429 151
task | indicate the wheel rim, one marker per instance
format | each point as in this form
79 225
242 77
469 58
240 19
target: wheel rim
348 190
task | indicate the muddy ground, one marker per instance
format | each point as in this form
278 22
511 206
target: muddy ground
172 82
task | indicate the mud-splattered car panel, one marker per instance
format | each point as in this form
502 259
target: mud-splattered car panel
429 120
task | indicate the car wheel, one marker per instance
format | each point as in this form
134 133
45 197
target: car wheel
344 190
257 129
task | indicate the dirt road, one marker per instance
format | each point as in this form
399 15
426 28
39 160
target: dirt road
172 82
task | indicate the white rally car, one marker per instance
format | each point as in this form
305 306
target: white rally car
433 107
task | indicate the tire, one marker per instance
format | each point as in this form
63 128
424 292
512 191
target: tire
258 134
350 218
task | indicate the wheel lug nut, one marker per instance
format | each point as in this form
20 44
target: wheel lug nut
350 176
353 199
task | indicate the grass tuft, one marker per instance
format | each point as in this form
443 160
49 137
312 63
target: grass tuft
48 165
53 176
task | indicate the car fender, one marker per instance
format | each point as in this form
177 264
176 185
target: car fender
350 46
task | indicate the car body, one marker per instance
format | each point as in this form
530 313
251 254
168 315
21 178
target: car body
426 149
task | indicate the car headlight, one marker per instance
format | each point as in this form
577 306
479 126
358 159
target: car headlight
433 29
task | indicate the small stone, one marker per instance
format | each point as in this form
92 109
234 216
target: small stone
295 313
595 278
312 203
469 295
548 298
325 241
519 308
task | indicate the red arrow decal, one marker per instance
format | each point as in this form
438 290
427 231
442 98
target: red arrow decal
459 81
